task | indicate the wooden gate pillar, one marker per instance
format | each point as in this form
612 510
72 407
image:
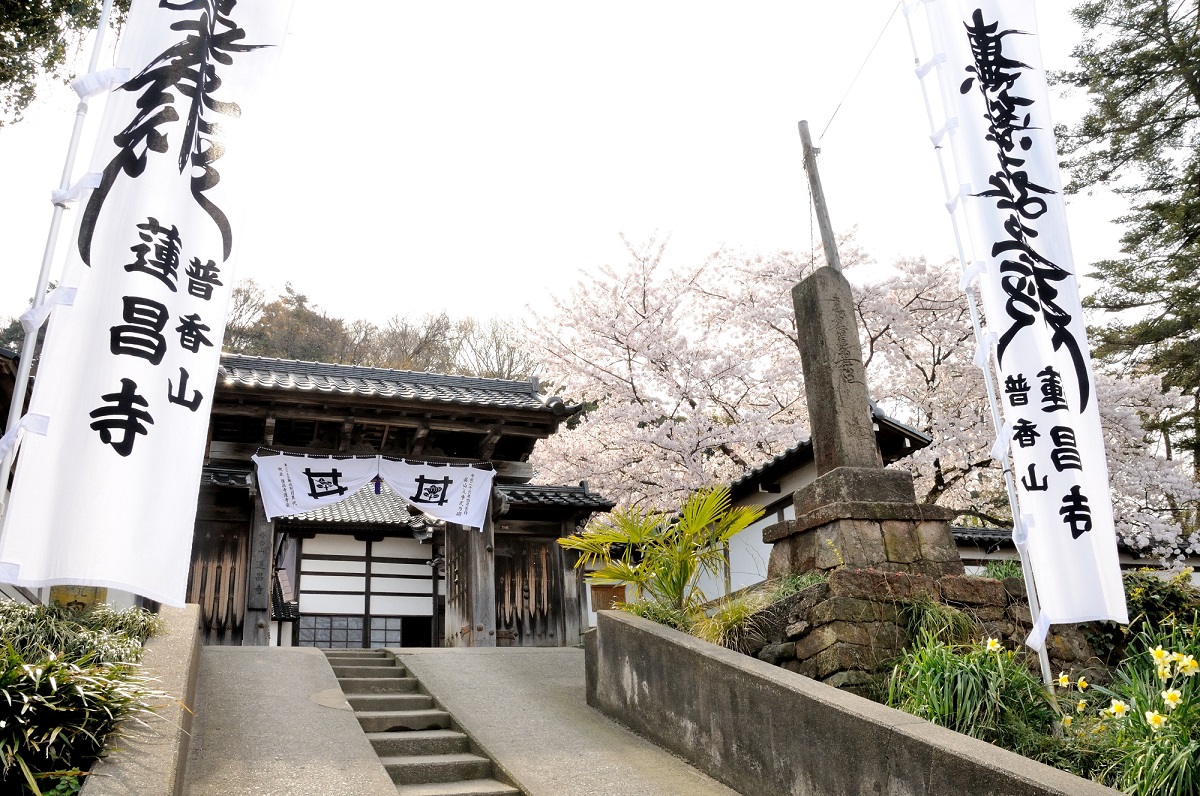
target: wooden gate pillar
256 632
483 582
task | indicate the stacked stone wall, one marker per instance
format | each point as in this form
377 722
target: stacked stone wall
848 630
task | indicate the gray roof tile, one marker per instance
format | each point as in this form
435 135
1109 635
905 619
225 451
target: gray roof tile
365 507
284 374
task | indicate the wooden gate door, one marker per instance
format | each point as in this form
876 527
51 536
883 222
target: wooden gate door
529 592
217 581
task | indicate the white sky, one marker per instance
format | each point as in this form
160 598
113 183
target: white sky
474 157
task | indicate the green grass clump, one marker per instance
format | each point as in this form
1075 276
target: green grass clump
1003 568
66 680
926 618
981 690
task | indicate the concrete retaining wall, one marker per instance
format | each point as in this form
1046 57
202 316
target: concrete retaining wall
768 732
150 760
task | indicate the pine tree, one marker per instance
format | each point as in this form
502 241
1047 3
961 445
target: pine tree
1140 64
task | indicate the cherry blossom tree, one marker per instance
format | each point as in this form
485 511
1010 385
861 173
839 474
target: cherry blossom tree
691 376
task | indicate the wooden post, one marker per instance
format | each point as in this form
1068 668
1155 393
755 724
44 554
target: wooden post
818 195
574 619
483 581
257 624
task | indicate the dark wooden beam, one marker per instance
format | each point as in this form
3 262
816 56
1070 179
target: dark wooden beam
418 440
488 446
396 420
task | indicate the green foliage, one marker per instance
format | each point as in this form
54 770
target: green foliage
103 635
1139 734
36 39
979 692
1139 63
1001 568
657 612
1154 602
929 619
782 588
1153 733
660 555
66 679
735 622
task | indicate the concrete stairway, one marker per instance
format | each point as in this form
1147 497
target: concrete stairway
416 741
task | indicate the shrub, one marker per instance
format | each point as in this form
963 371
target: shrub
1154 602
65 681
1156 728
733 622
104 634
663 556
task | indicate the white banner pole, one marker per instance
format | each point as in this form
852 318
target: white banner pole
993 403
16 409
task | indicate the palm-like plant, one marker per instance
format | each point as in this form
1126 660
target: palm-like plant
661 555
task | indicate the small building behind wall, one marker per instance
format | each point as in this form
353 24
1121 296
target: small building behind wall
772 485
371 570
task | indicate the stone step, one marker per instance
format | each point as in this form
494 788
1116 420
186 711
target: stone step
389 720
418 742
423 769
342 659
373 653
369 671
377 685
378 702
471 787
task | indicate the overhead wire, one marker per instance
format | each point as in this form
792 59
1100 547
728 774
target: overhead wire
862 66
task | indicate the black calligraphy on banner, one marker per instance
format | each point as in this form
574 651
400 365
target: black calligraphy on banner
157 255
432 490
125 413
186 72
1028 278
325 484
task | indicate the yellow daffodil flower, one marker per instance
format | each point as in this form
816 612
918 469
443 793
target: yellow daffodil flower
1118 709
1064 680
1188 666
1067 721
1160 655
1164 671
1172 697
1155 719
1176 657
993 645
1083 684
1081 706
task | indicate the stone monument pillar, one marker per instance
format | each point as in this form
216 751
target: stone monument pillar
855 514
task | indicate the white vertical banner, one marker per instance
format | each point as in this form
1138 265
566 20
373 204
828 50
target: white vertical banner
986 59
107 496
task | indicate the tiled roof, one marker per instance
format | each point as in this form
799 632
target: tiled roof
984 537
793 453
365 507
284 374
572 496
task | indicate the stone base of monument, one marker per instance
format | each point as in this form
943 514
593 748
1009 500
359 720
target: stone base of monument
847 631
863 517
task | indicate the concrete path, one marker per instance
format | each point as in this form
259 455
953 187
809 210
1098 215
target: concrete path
528 710
272 721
